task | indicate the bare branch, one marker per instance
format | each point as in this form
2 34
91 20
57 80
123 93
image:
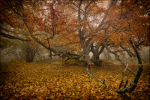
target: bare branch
92 76
118 58
128 51
12 37
79 10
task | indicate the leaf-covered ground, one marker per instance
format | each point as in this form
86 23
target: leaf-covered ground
54 81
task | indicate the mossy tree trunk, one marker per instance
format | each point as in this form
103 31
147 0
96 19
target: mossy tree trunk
138 73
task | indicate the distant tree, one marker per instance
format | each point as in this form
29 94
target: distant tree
29 51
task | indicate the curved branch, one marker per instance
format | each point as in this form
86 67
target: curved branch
134 82
92 76
117 56
128 51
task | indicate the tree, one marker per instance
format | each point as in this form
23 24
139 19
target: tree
81 26
29 51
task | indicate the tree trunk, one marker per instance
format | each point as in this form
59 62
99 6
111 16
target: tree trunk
96 60
134 82
96 54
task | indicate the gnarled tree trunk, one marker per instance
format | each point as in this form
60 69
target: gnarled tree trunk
96 53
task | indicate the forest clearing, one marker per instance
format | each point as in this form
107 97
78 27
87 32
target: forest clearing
56 81
74 49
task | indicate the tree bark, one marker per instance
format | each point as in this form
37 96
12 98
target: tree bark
134 82
96 53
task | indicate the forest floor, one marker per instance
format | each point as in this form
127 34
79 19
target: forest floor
56 81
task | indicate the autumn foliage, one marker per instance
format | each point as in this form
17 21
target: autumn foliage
77 24
25 81
71 29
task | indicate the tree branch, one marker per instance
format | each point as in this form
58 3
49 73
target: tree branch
12 37
134 82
